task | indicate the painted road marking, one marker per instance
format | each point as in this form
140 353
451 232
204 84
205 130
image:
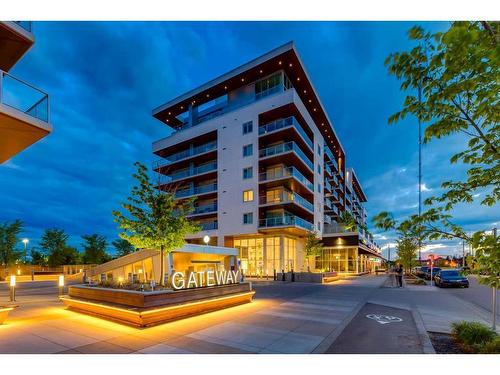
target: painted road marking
384 319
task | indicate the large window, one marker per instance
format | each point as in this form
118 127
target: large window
247 173
273 255
248 150
269 85
251 255
290 255
247 127
248 218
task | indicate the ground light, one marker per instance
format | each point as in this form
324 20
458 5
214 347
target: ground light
61 285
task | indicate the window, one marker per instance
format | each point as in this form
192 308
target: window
247 173
248 196
319 226
248 218
247 127
319 150
319 188
247 150
319 168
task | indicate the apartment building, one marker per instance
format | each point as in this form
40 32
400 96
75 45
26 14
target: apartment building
24 109
256 148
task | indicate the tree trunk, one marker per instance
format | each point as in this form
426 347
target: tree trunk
162 266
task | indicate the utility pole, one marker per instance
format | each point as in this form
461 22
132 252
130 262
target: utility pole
494 299
463 253
419 171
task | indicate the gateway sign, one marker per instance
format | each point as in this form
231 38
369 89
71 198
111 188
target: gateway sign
204 278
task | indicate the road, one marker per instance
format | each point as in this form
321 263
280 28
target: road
477 294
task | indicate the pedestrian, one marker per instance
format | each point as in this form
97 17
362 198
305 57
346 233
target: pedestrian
399 274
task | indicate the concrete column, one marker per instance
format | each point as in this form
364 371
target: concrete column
264 258
357 261
170 263
192 115
282 253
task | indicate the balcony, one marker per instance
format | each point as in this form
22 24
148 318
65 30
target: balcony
287 172
286 123
185 154
204 209
284 197
198 190
284 148
188 173
24 115
16 39
210 225
286 220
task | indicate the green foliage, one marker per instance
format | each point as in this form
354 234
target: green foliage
53 243
348 221
491 347
123 247
313 246
458 72
70 255
487 265
154 219
9 238
94 249
406 251
473 336
38 258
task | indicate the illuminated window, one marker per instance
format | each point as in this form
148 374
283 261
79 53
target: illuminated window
248 196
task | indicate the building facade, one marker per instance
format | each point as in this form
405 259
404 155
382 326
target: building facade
258 151
24 109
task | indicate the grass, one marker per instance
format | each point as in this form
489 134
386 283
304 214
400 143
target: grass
475 337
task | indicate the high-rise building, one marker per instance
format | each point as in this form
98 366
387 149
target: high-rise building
24 109
256 148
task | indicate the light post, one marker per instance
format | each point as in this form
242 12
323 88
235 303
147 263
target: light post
12 288
463 254
25 242
61 285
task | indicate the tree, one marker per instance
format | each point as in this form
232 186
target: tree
154 218
487 261
458 72
94 249
406 251
38 257
9 238
70 255
313 247
53 243
348 221
123 247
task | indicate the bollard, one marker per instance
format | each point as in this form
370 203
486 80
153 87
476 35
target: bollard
61 285
12 288
282 275
293 276
274 275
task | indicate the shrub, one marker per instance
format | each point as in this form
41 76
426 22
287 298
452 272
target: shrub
419 282
473 336
492 347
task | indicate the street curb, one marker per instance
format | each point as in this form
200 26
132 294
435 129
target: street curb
422 332
330 339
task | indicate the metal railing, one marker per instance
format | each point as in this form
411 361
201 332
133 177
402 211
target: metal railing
196 190
285 123
283 148
210 146
24 97
286 172
26 25
286 196
210 167
285 220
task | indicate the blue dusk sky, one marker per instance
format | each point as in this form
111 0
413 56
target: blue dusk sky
105 78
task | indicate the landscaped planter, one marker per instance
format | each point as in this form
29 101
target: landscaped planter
309 277
4 312
149 308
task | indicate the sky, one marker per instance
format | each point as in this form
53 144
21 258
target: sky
104 79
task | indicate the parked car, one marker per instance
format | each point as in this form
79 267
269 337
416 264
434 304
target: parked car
421 271
451 278
435 270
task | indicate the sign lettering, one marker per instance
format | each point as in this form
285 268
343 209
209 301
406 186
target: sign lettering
203 279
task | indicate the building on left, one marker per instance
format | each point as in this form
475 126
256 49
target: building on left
24 108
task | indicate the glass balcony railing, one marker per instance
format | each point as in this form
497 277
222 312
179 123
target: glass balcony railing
23 97
210 167
196 190
26 25
285 220
283 148
274 174
328 187
287 196
285 123
205 209
210 146
211 225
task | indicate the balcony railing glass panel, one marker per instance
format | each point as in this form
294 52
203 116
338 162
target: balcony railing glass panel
210 146
205 208
196 190
286 172
211 225
286 147
26 25
23 97
210 167
285 123
287 196
285 220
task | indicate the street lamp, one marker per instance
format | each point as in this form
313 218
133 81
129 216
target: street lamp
25 242
12 288
206 239
61 285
